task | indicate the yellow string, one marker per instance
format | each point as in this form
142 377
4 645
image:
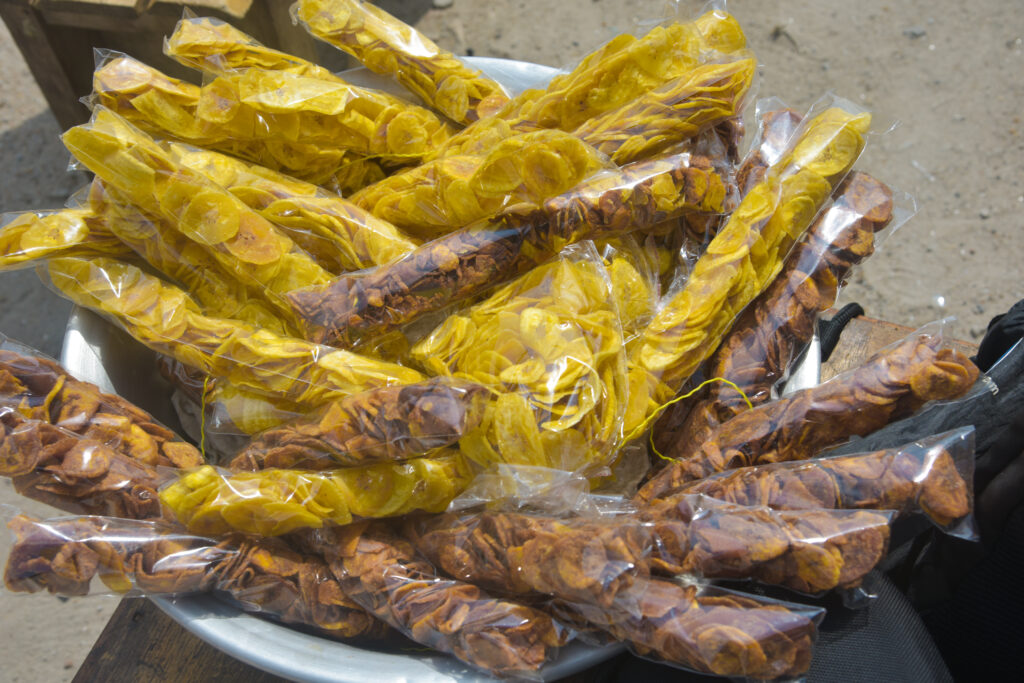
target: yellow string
202 418
654 415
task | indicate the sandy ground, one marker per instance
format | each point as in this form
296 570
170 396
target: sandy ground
944 75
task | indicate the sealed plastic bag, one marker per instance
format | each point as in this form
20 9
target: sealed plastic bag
211 45
244 243
166 320
549 347
744 257
769 336
274 502
671 114
892 384
388 46
33 387
466 262
443 195
160 244
29 237
382 573
611 77
930 477
384 425
333 229
167 107
66 556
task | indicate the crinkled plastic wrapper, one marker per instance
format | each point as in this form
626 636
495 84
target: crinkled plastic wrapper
469 261
214 46
892 384
338 233
549 347
166 320
744 257
387 46
383 573
29 237
440 196
930 477
78 556
274 502
389 424
159 243
244 243
769 336
611 77
167 107
671 114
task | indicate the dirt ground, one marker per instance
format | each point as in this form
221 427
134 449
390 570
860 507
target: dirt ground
943 75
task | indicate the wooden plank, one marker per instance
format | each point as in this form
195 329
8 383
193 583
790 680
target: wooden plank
236 8
40 49
143 645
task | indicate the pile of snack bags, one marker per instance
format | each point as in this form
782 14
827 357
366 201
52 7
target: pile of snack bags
492 370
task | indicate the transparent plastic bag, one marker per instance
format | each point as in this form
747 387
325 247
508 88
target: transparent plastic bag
930 477
440 196
390 424
611 77
31 236
549 347
634 283
105 555
892 384
215 46
471 260
777 124
277 501
705 629
167 107
35 388
388 46
165 319
160 244
342 236
244 243
381 572
773 331
745 256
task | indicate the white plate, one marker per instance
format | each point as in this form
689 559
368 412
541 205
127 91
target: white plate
97 352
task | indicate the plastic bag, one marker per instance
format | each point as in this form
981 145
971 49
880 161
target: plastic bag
384 425
634 284
388 46
166 320
591 560
777 124
31 236
440 196
335 230
242 242
931 477
549 347
274 502
466 262
892 384
211 45
743 258
671 114
772 332
158 242
705 629
66 556
383 574
35 388
611 77
167 107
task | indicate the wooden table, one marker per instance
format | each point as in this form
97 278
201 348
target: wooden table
143 645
